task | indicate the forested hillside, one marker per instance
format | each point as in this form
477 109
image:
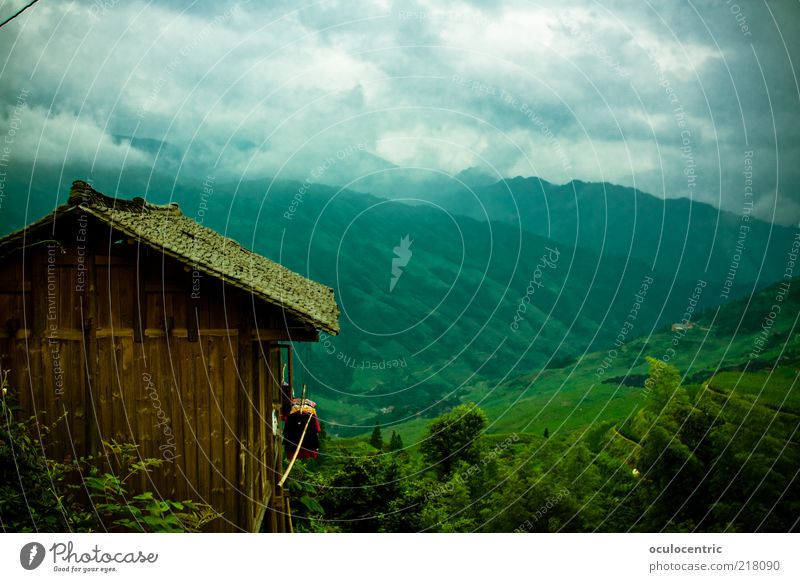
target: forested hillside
707 442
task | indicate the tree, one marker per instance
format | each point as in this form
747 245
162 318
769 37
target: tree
376 440
666 459
395 442
448 506
726 456
362 493
546 433
454 436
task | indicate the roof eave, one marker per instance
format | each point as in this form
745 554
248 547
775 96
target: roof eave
300 316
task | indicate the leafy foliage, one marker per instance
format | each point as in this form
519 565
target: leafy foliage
114 505
361 495
693 458
29 498
395 442
376 440
454 436
307 513
730 460
40 494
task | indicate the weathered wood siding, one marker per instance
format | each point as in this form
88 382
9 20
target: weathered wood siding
134 346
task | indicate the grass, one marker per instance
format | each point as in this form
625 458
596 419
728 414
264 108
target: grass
576 397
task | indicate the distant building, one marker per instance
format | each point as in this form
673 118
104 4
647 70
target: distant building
144 326
685 326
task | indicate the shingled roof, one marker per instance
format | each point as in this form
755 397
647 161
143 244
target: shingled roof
167 230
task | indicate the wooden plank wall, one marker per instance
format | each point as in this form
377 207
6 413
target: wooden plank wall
266 458
184 392
181 386
200 387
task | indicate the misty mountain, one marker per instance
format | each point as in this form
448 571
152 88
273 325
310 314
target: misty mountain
462 301
435 300
674 235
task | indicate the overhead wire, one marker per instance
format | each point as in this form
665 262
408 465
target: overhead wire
21 10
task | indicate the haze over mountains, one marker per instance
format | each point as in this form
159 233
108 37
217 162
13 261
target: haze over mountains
496 278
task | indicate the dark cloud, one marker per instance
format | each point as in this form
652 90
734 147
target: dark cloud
584 90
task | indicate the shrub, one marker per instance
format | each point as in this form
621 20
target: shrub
39 494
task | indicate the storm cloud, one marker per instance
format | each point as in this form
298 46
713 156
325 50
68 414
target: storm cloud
669 98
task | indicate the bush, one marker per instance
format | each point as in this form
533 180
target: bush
39 494
453 437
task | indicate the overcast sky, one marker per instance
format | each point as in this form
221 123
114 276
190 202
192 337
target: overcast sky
666 98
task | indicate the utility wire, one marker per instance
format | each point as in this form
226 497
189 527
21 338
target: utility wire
23 9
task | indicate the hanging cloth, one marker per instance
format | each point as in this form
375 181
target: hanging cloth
296 422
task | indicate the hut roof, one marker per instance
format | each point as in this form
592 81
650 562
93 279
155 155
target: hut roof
167 230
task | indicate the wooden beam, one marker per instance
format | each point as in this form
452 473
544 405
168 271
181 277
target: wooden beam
182 332
246 371
38 272
262 510
140 300
298 334
15 287
68 334
20 334
89 301
105 332
104 260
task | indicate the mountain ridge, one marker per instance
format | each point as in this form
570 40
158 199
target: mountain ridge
476 301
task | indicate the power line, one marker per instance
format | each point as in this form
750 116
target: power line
23 9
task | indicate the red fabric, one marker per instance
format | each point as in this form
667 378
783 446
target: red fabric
293 430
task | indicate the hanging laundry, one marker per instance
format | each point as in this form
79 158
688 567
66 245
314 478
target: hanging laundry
303 406
303 412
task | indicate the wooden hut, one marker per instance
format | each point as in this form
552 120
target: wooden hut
144 326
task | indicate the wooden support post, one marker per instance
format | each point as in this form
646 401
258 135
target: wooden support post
89 306
140 304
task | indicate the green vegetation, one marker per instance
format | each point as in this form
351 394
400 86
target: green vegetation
376 440
453 439
442 336
576 396
702 437
469 309
717 431
40 494
395 442
721 456
554 423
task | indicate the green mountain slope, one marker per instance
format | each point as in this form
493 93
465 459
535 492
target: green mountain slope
475 302
673 235
723 346
466 308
